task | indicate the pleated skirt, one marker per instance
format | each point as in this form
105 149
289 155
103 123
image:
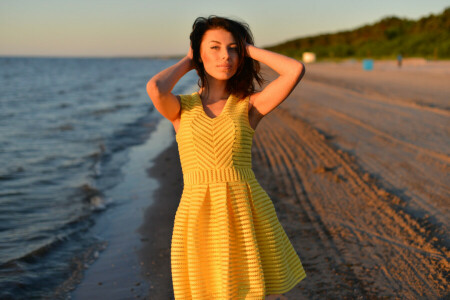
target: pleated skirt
228 243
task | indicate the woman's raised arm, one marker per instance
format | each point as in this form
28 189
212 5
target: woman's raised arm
291 72
159 87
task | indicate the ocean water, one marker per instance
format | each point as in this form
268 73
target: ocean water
66 125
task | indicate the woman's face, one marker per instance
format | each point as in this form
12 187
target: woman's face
219 54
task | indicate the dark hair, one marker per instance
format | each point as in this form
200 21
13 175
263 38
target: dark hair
241 83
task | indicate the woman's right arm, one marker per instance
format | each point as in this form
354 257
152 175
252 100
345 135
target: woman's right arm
159 87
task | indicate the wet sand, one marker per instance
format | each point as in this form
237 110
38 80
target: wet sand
158 227
116 272
357 165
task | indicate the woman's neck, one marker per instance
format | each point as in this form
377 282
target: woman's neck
216 90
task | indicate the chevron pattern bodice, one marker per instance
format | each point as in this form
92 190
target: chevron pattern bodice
220 145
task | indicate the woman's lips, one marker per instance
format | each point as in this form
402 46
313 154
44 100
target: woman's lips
225 67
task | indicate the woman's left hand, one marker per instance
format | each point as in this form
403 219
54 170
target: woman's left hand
247 48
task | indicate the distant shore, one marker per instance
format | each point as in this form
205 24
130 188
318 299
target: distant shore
180 56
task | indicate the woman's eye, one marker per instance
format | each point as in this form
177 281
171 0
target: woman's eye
217 47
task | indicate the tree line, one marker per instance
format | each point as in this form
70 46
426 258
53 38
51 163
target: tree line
428 37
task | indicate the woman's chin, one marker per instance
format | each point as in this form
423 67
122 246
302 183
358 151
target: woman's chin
222 75
225 76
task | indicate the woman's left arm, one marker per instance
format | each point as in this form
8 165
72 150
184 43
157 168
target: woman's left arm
291 72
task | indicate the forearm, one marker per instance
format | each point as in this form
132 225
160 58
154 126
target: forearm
279 63
168 78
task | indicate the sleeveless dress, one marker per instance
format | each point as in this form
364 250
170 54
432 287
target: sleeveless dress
227 241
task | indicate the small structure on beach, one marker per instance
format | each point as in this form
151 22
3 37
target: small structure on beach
367 64
309 57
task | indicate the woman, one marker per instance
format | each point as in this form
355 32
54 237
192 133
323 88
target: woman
227 242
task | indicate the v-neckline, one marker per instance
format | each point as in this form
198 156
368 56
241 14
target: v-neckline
223 109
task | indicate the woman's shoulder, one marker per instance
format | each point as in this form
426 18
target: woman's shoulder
185 99
245 98
251 99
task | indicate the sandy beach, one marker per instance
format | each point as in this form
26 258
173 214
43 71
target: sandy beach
357 165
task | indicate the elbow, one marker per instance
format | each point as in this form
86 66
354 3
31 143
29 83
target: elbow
300 71
152 88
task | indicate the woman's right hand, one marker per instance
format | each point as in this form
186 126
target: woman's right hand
190 57
190 53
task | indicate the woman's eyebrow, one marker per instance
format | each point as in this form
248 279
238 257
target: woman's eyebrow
220 42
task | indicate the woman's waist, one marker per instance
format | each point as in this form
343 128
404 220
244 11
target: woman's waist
217 175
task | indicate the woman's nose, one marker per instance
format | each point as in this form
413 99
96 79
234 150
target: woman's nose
226 53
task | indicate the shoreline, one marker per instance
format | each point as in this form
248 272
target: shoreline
118 272
159 220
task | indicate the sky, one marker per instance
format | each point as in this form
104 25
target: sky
111 28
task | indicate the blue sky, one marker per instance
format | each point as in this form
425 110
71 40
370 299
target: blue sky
143 28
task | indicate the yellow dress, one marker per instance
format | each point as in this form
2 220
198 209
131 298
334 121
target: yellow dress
227 241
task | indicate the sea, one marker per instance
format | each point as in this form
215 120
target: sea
66 126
